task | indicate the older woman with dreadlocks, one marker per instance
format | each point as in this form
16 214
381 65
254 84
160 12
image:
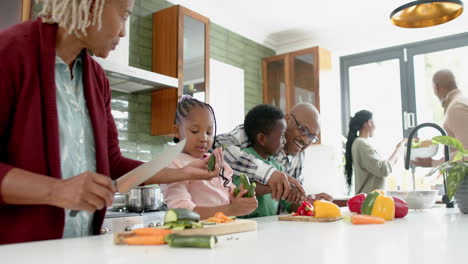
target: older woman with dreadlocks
370 169
58 141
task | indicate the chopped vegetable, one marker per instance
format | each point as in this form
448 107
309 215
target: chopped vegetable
174 215
143 236
145 240
211 163
366 220
305 209
151 231
220 218
250 187
175 240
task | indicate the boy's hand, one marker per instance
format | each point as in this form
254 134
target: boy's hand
243 206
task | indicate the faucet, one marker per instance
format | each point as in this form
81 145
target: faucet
449 204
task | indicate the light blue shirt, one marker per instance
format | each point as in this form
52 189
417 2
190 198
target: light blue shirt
77 150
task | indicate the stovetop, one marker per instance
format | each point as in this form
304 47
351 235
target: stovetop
125 213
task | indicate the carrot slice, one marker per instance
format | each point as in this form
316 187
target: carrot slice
215 220
145 240
220 215
150 231
366 220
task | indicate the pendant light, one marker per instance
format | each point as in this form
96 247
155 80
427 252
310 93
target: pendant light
426 13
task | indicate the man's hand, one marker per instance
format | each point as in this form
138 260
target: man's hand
280 184
87 191
295 195
422 162
323 196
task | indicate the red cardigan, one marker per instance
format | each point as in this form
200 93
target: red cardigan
29 135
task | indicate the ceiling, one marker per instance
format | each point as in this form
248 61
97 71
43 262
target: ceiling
342 26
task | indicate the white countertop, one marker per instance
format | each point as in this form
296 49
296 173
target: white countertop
437 235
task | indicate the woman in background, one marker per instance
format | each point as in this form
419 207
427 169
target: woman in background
370 169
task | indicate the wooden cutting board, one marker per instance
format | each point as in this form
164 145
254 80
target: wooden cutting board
238 226
303 218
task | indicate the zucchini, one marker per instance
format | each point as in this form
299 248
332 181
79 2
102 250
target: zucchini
175 240
175 215
250 187
236 191
211 163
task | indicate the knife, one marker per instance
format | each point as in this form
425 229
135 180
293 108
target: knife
145 171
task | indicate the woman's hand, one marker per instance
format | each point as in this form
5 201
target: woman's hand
87 191
242 205
401 143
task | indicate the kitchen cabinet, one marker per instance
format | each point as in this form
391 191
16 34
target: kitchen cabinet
180 50
294 77
14 12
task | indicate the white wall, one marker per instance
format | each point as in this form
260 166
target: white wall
226 95
323 166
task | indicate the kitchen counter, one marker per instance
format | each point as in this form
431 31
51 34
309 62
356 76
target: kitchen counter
438 235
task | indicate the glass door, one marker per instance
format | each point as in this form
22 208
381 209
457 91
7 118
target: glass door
427 106
376 87
275 82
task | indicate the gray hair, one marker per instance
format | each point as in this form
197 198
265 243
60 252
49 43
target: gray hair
73 15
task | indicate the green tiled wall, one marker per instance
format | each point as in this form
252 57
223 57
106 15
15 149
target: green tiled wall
226 46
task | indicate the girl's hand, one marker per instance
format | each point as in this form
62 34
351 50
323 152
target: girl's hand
198 169
242 205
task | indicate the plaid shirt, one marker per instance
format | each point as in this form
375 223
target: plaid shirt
244 163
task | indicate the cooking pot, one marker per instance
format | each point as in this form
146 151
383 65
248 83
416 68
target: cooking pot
119 202
144 198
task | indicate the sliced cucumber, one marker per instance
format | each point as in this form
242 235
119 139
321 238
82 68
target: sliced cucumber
175 240
208 223
196 225
174 215
179 227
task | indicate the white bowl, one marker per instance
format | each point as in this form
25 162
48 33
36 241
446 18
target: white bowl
427 152
416 199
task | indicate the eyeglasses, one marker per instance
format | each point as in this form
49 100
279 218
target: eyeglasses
305 131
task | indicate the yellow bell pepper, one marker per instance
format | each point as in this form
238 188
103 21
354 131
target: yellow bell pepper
384 206
326 209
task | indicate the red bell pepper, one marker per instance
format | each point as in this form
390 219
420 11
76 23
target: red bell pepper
310 213
354 204
401 208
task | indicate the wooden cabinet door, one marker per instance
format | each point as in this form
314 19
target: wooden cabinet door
180 50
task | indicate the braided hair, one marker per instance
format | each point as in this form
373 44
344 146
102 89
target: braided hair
184 106
355 124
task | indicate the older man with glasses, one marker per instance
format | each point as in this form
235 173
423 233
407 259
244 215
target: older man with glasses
303 127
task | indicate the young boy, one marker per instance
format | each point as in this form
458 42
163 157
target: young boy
265 127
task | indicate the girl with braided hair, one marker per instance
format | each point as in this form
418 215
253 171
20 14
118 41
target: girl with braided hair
370 170
59 149
196 123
